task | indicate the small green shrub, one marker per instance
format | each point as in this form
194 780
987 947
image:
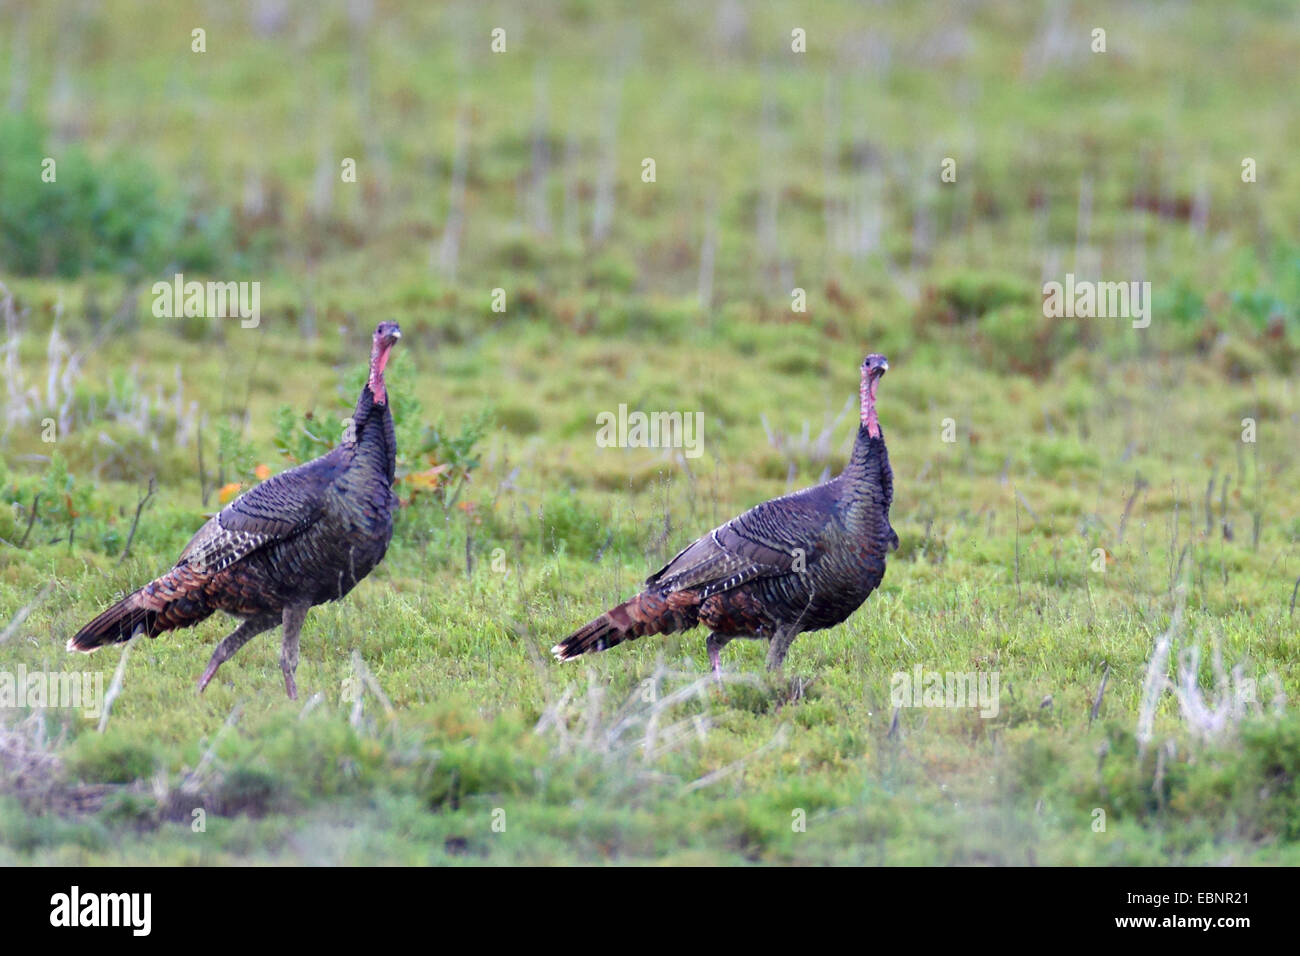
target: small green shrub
969 295
300 438
96 215
111 757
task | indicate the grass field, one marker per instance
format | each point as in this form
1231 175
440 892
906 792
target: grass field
1105 518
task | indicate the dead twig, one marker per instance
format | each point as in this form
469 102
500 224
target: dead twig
31 520
126 552
1101 691
203 485
1139 485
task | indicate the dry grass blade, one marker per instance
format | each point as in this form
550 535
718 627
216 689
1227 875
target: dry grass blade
198 777
1101 692
1157 680
364 680
778 740
22 614
1212 715
115 688
640 724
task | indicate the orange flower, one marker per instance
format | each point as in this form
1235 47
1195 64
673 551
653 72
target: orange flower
427 480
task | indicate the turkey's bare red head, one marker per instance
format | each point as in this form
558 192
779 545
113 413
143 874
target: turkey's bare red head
874 367
386 336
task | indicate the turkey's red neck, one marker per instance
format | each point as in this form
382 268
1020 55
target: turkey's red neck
378 361
867 393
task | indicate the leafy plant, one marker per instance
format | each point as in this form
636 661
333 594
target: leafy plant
302 437
235 457
452 456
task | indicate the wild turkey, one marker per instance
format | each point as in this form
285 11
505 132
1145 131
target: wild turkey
298 539
798 563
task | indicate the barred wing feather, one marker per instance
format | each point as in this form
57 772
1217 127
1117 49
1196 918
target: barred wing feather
279 508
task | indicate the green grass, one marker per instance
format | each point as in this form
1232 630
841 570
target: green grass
483 749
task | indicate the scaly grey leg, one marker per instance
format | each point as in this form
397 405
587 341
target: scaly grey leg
293 618
716 643
778 647
240 636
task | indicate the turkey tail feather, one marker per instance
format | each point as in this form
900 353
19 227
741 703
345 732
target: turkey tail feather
599 635
117 625
647 613
174 600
